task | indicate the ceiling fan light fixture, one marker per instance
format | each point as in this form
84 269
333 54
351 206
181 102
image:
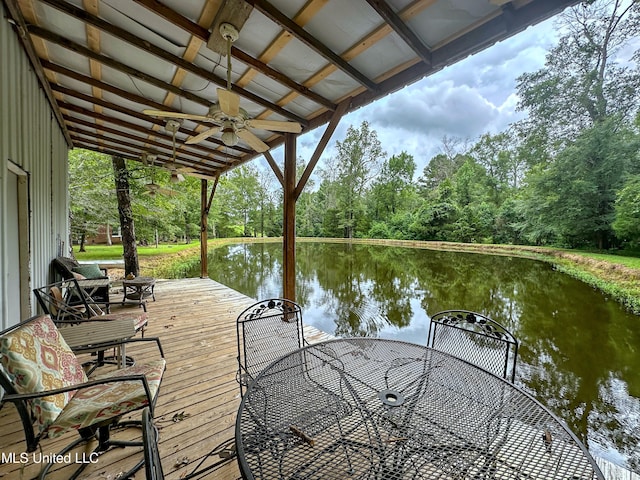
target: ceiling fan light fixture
229 137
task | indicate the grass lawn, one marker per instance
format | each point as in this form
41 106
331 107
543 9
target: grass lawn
114 252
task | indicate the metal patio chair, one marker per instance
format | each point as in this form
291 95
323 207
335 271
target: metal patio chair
475 338
35 357
68 303
68 268
266 331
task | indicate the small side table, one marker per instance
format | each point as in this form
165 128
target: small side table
138 289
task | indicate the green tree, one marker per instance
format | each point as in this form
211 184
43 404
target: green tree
358 159
574 197
580 83
91 193
627 211
394 186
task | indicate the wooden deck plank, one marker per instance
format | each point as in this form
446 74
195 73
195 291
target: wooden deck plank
195 320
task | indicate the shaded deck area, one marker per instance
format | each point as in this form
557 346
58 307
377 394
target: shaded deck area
199 396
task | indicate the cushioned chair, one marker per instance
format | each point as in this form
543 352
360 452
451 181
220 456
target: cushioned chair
266 331
67 304
69 268
475 338
44 380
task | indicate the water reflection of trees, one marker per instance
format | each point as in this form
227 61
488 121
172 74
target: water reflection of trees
577 347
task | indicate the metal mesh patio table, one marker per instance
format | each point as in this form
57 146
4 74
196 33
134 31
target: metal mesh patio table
384 409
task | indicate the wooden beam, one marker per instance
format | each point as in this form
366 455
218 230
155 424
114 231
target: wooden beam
149 48
322 144
274 166
401 28
78 133
281 78
117 132
289 221
285 22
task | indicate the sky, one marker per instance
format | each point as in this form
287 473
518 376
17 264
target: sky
463 101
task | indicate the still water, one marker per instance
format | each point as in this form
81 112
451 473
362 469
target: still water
579 351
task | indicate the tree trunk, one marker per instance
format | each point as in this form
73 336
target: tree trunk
82 240
130 250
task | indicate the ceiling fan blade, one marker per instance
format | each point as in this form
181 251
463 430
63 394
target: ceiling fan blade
253 141
167 192
188 116
200 175
201 136
274 125
229 102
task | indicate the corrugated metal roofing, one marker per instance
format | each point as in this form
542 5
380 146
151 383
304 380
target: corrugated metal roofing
106 61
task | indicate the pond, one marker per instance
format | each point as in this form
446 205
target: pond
579 353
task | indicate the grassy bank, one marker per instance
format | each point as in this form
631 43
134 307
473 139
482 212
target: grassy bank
615 275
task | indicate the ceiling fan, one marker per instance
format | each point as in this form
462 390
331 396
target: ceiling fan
152 188
227 116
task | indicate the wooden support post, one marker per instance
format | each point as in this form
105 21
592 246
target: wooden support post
204 262
205 207
289 223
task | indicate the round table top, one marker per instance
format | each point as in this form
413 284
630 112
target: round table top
385 409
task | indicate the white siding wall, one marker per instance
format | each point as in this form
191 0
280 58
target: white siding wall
31 138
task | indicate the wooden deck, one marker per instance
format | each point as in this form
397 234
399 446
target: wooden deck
195 320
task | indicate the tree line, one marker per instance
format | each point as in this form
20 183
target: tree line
568 175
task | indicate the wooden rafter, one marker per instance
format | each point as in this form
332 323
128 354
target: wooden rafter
294 29
401 28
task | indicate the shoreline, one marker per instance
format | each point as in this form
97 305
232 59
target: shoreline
620 282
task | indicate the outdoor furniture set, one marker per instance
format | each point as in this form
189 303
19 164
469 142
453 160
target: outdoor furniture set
53 392
371 408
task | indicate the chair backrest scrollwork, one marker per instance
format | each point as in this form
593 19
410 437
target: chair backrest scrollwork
475 338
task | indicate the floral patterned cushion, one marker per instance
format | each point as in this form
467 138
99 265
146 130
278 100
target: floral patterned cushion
37 359
103 402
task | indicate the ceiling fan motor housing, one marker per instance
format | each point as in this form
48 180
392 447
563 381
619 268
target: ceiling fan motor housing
229 32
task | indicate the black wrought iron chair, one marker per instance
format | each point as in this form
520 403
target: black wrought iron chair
67 304
35 358
152 462
266 331
475 338
69 268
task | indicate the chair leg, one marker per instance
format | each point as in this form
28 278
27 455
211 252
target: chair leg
105 442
